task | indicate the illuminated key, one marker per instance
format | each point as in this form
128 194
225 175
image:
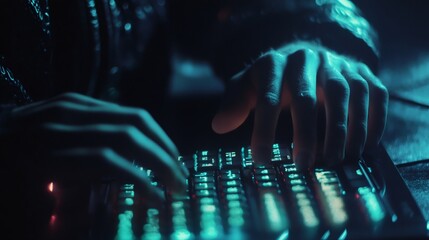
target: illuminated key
370 201
275 217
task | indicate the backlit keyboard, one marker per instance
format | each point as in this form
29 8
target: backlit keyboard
230 198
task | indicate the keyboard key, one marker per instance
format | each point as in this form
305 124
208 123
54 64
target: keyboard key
202 179
124 228
372 204
247 157
151 229
205 193
230 159
281 153
273 212
330 193
206 160
264 171
180 220
204 185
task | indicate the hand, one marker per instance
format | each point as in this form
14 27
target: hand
83 138
302 77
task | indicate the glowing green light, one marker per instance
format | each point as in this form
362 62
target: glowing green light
375 211
125 231
310 219
236 221
179 220
235 211
208 208
235 203
152 236
206 200
181 234
277 220
209 233
127 27
129 201
234 196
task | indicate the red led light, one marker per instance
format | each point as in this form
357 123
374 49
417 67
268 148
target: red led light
53 219
51 187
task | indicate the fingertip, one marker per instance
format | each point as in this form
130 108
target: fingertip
371 146
178 185
216 124
304 160
223 123
261 153
156 198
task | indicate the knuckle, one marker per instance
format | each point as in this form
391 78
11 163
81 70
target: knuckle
143 115
301 56
305 98
271 62
336 86
361 125
105 153
69 96
305 53
128 132
58 106
341 130
363 67
381 93
270 99
358 84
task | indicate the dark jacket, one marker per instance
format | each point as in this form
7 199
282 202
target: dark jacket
96 47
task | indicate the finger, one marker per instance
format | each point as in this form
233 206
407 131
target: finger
336 92
236 105
358 113
101 162
70 97
267 76
300 79
71 113
378 104
126 141
147 124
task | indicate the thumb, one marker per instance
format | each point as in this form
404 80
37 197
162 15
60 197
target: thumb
238 101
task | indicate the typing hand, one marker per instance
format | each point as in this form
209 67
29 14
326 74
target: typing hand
83 138
302 77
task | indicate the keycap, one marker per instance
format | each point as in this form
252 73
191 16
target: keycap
273 211
206 160
281 153
230 159
372 204
231 174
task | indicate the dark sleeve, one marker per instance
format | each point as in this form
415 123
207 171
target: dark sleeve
242 30
12 94
25 50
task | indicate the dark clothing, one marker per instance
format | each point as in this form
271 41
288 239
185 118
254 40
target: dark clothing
97 47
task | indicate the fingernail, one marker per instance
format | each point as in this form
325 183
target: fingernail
304 160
